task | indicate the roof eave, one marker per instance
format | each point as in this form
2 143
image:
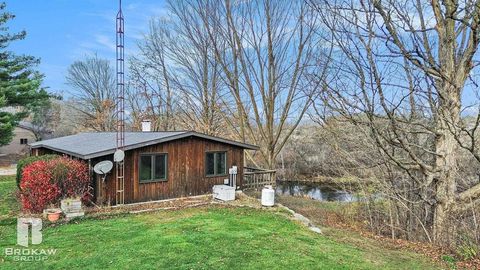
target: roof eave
60 150
148 143
226 141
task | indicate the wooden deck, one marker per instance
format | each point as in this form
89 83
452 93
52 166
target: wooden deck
255 178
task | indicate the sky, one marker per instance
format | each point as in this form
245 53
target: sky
60 32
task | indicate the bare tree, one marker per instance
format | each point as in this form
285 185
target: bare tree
265 50
198 79
93 82
176 56
150 90
46 118
400 69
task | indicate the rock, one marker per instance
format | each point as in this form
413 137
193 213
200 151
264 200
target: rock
74 214
302 219
72 208
71 205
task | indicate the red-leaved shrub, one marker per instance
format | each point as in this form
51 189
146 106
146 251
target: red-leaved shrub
38 187
46 182
71 175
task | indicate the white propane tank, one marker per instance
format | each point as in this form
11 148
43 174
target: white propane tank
268 196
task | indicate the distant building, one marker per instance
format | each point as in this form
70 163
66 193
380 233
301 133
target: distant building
18 148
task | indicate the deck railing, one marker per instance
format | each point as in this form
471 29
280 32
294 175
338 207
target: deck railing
255 178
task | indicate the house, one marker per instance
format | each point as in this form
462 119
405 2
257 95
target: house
158 165
23 134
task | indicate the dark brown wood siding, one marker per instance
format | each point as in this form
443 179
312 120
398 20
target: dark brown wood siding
185 175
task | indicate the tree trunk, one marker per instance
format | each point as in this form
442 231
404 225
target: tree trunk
445 195
446 164
271 160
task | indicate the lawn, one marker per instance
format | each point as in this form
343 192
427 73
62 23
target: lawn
212 237
8 201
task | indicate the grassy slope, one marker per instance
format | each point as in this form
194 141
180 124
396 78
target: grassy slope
321 213
202 238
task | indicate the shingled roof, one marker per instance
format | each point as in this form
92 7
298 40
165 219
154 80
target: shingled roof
96 144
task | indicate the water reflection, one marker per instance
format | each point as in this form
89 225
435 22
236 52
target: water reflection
314 191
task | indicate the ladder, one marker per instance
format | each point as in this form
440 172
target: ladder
120 183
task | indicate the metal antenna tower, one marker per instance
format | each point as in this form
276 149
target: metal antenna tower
120 104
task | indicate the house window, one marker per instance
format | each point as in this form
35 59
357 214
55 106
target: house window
153 167
23 141
216 163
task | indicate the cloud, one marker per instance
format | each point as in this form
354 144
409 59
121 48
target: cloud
105 15
137 17
96 35
105 41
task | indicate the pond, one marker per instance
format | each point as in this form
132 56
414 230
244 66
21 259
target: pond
315 191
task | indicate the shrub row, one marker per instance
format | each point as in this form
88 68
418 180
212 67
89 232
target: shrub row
46 182
26 161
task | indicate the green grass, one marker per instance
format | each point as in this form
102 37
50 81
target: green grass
319 212
8 200
199 238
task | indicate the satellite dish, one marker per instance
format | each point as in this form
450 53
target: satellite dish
103 167
118 156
